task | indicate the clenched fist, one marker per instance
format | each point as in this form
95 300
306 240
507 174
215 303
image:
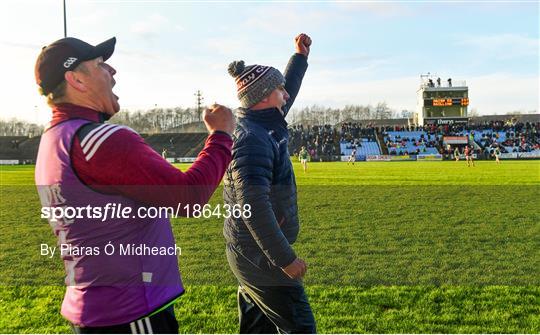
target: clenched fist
302 43
219 117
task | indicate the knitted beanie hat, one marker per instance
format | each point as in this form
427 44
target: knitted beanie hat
254 82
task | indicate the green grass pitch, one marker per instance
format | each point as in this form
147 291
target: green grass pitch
391 247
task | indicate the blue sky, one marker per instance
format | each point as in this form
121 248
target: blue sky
362 53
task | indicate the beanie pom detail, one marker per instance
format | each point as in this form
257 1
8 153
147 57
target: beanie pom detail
236 68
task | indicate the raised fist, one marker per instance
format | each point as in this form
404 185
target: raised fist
219 117
302 43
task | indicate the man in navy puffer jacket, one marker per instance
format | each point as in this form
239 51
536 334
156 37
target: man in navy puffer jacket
260 182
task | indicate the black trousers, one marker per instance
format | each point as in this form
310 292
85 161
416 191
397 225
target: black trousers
163 322
274 309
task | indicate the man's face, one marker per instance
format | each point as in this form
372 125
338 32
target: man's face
278 98
99 83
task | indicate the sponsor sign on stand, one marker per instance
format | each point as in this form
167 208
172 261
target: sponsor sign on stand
511 155
528 154
403 158
380 158
186 159
429 157
9 161
455 140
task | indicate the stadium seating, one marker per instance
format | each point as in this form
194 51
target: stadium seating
412 136
177 145
19 147
328 143
365 148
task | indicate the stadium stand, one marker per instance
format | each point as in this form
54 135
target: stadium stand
320 141
364 147
177 145
326 142
411 142
518 134
511 136
24 149
21 148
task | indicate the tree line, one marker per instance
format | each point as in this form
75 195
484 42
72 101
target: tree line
324 115
172 120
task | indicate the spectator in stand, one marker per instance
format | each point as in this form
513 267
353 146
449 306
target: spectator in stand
520 137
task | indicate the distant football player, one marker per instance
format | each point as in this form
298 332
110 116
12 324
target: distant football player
469 155
303 156
352 157
497 154
456 154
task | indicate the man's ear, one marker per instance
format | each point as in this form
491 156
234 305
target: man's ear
74 80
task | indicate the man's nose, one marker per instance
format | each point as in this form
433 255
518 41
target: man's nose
111 69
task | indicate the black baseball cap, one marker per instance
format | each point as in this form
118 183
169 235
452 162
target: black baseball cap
65 55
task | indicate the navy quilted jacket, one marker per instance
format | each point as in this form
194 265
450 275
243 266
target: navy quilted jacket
261 175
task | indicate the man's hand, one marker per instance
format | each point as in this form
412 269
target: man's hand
219 117
302 43
296 270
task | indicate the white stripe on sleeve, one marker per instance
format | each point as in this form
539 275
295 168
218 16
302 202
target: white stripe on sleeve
89 135
88 145
101 140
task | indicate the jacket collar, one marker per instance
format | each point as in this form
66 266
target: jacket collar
268 116
64 112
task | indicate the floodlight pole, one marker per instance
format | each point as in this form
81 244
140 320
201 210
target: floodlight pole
199 103
65 25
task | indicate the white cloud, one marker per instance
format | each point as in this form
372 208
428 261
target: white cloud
490 94
285 20
501 46
171 81
399 93
150 26
382 9
499 93
348 68
19 92
227 46
98 17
